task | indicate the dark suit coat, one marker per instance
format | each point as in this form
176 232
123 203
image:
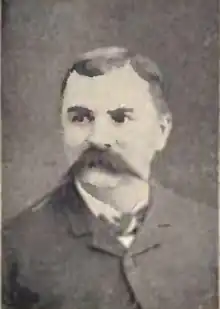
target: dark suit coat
172 263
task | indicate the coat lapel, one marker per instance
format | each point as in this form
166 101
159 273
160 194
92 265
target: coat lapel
154 226
82 222
149 241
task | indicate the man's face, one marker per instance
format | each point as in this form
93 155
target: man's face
111 127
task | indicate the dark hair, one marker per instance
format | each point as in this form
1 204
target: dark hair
102 60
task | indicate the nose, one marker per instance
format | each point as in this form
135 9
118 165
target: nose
103 146
100 136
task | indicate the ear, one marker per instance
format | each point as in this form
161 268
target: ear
165 128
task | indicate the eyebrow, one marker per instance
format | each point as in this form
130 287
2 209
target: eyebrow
78 109
81 109
120 110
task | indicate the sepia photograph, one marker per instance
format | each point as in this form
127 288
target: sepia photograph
110 154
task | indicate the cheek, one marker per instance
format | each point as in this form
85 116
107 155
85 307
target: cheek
139 134
138 142
74 136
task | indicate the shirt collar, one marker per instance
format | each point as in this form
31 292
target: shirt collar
96 206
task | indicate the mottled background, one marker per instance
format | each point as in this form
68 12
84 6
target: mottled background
40 41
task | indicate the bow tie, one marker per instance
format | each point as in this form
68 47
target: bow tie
127 223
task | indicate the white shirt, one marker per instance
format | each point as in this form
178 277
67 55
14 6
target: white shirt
98 208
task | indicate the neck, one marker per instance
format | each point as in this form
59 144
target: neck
124 196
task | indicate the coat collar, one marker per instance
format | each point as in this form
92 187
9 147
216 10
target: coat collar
81 222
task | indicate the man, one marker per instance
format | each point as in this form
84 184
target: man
108 236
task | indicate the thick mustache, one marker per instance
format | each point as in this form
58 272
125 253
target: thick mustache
106 159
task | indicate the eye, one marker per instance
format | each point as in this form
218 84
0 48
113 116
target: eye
80 117
119 117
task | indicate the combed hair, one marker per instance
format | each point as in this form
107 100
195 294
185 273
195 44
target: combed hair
102 60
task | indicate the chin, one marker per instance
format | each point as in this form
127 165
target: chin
99 178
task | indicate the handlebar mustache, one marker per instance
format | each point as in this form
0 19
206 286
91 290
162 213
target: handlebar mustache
105 159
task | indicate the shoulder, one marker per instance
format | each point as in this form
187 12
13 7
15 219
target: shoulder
187 231
193 225
185 211
193 231
186 260
40 222
29 219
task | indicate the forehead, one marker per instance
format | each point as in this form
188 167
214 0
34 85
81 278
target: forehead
121 87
